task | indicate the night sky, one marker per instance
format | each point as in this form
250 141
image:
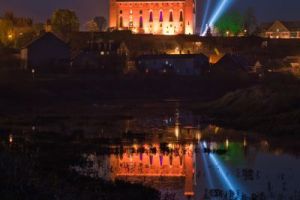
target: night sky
40 10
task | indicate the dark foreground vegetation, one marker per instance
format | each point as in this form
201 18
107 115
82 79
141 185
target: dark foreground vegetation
37 166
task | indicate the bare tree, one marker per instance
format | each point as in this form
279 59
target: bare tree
101 23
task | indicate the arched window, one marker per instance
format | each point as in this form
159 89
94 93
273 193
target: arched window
181 16
161 17
141 22
171 16
121 22
151 16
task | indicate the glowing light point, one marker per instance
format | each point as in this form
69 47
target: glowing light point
10 138
227 143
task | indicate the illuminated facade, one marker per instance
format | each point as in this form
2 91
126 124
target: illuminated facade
164 17
281 30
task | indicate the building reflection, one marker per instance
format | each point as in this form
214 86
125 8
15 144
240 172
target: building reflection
167 157
173 163
155 161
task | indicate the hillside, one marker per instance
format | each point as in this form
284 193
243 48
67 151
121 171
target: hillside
269 109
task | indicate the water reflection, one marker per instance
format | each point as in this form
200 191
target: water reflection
183 157
199 162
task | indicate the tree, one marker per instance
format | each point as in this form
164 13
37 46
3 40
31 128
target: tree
208 32
230 23
250 21
6 31
91 26
64 22
101 23
38 28
8 15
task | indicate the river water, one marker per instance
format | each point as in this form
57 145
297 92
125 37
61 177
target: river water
167 147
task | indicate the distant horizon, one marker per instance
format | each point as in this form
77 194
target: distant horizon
41 11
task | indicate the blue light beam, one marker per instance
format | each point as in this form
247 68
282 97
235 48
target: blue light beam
217 14
204 21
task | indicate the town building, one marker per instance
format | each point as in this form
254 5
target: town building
164 17
46 51
179 64
281 29
101 55
233 63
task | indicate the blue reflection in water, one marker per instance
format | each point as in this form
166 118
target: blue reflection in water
232 185
205 163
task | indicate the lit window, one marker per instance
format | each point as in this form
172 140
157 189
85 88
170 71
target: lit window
171 16
161 19
130 24
151 16
121 22
141 22
181 16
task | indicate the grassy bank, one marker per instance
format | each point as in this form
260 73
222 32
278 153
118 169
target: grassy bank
271 107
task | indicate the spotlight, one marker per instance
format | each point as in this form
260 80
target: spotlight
217 14
204 22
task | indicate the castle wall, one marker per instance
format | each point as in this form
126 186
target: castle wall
155 17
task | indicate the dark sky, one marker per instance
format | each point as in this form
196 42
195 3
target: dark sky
40 10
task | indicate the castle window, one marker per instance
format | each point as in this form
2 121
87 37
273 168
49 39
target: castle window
181 16
141 22
121 22
121 11
141 12
161 19
171 16
151 16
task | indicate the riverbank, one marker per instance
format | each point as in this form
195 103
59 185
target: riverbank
271 107
37 166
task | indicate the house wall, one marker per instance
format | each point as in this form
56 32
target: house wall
180 66
24 58
47 52
278 30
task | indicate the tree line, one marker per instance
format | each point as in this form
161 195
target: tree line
17 31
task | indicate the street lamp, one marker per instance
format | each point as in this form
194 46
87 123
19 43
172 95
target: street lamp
227 33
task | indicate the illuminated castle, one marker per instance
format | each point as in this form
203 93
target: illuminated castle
166 17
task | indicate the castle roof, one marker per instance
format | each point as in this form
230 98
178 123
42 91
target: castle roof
290 25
